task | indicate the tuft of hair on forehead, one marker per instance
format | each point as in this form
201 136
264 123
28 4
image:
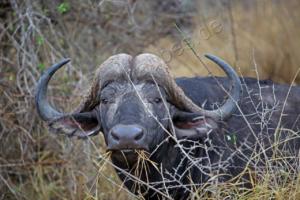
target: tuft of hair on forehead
146 66
112 69
143 67
149 66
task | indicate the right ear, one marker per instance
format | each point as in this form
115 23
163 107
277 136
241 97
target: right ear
192 125
81 125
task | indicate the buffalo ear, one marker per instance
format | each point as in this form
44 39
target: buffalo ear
81 125
192 125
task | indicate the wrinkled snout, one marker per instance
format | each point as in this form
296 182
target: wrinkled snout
124 137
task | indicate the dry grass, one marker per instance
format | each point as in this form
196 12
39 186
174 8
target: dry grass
240 33
34 34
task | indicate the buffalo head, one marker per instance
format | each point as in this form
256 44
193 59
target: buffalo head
136 103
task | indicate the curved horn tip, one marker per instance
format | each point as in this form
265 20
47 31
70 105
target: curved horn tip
213 57
45 110
229 107
66 60
208 55
56 66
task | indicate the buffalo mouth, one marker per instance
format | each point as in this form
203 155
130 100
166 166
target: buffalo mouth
128 150
129 155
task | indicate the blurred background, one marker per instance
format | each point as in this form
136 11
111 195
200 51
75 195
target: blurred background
259 38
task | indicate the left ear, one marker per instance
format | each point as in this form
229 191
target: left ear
191 125
81 125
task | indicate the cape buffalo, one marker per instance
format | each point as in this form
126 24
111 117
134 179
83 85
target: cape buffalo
190 133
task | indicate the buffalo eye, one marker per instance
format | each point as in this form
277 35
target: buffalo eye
157 100
104 101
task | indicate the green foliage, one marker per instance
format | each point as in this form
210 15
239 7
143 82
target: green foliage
11 77
231 138
63 7
41 66
40 40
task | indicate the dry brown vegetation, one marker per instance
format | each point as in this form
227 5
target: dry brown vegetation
35 164
262 33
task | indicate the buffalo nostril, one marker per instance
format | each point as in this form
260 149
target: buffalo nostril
115 136
138 135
